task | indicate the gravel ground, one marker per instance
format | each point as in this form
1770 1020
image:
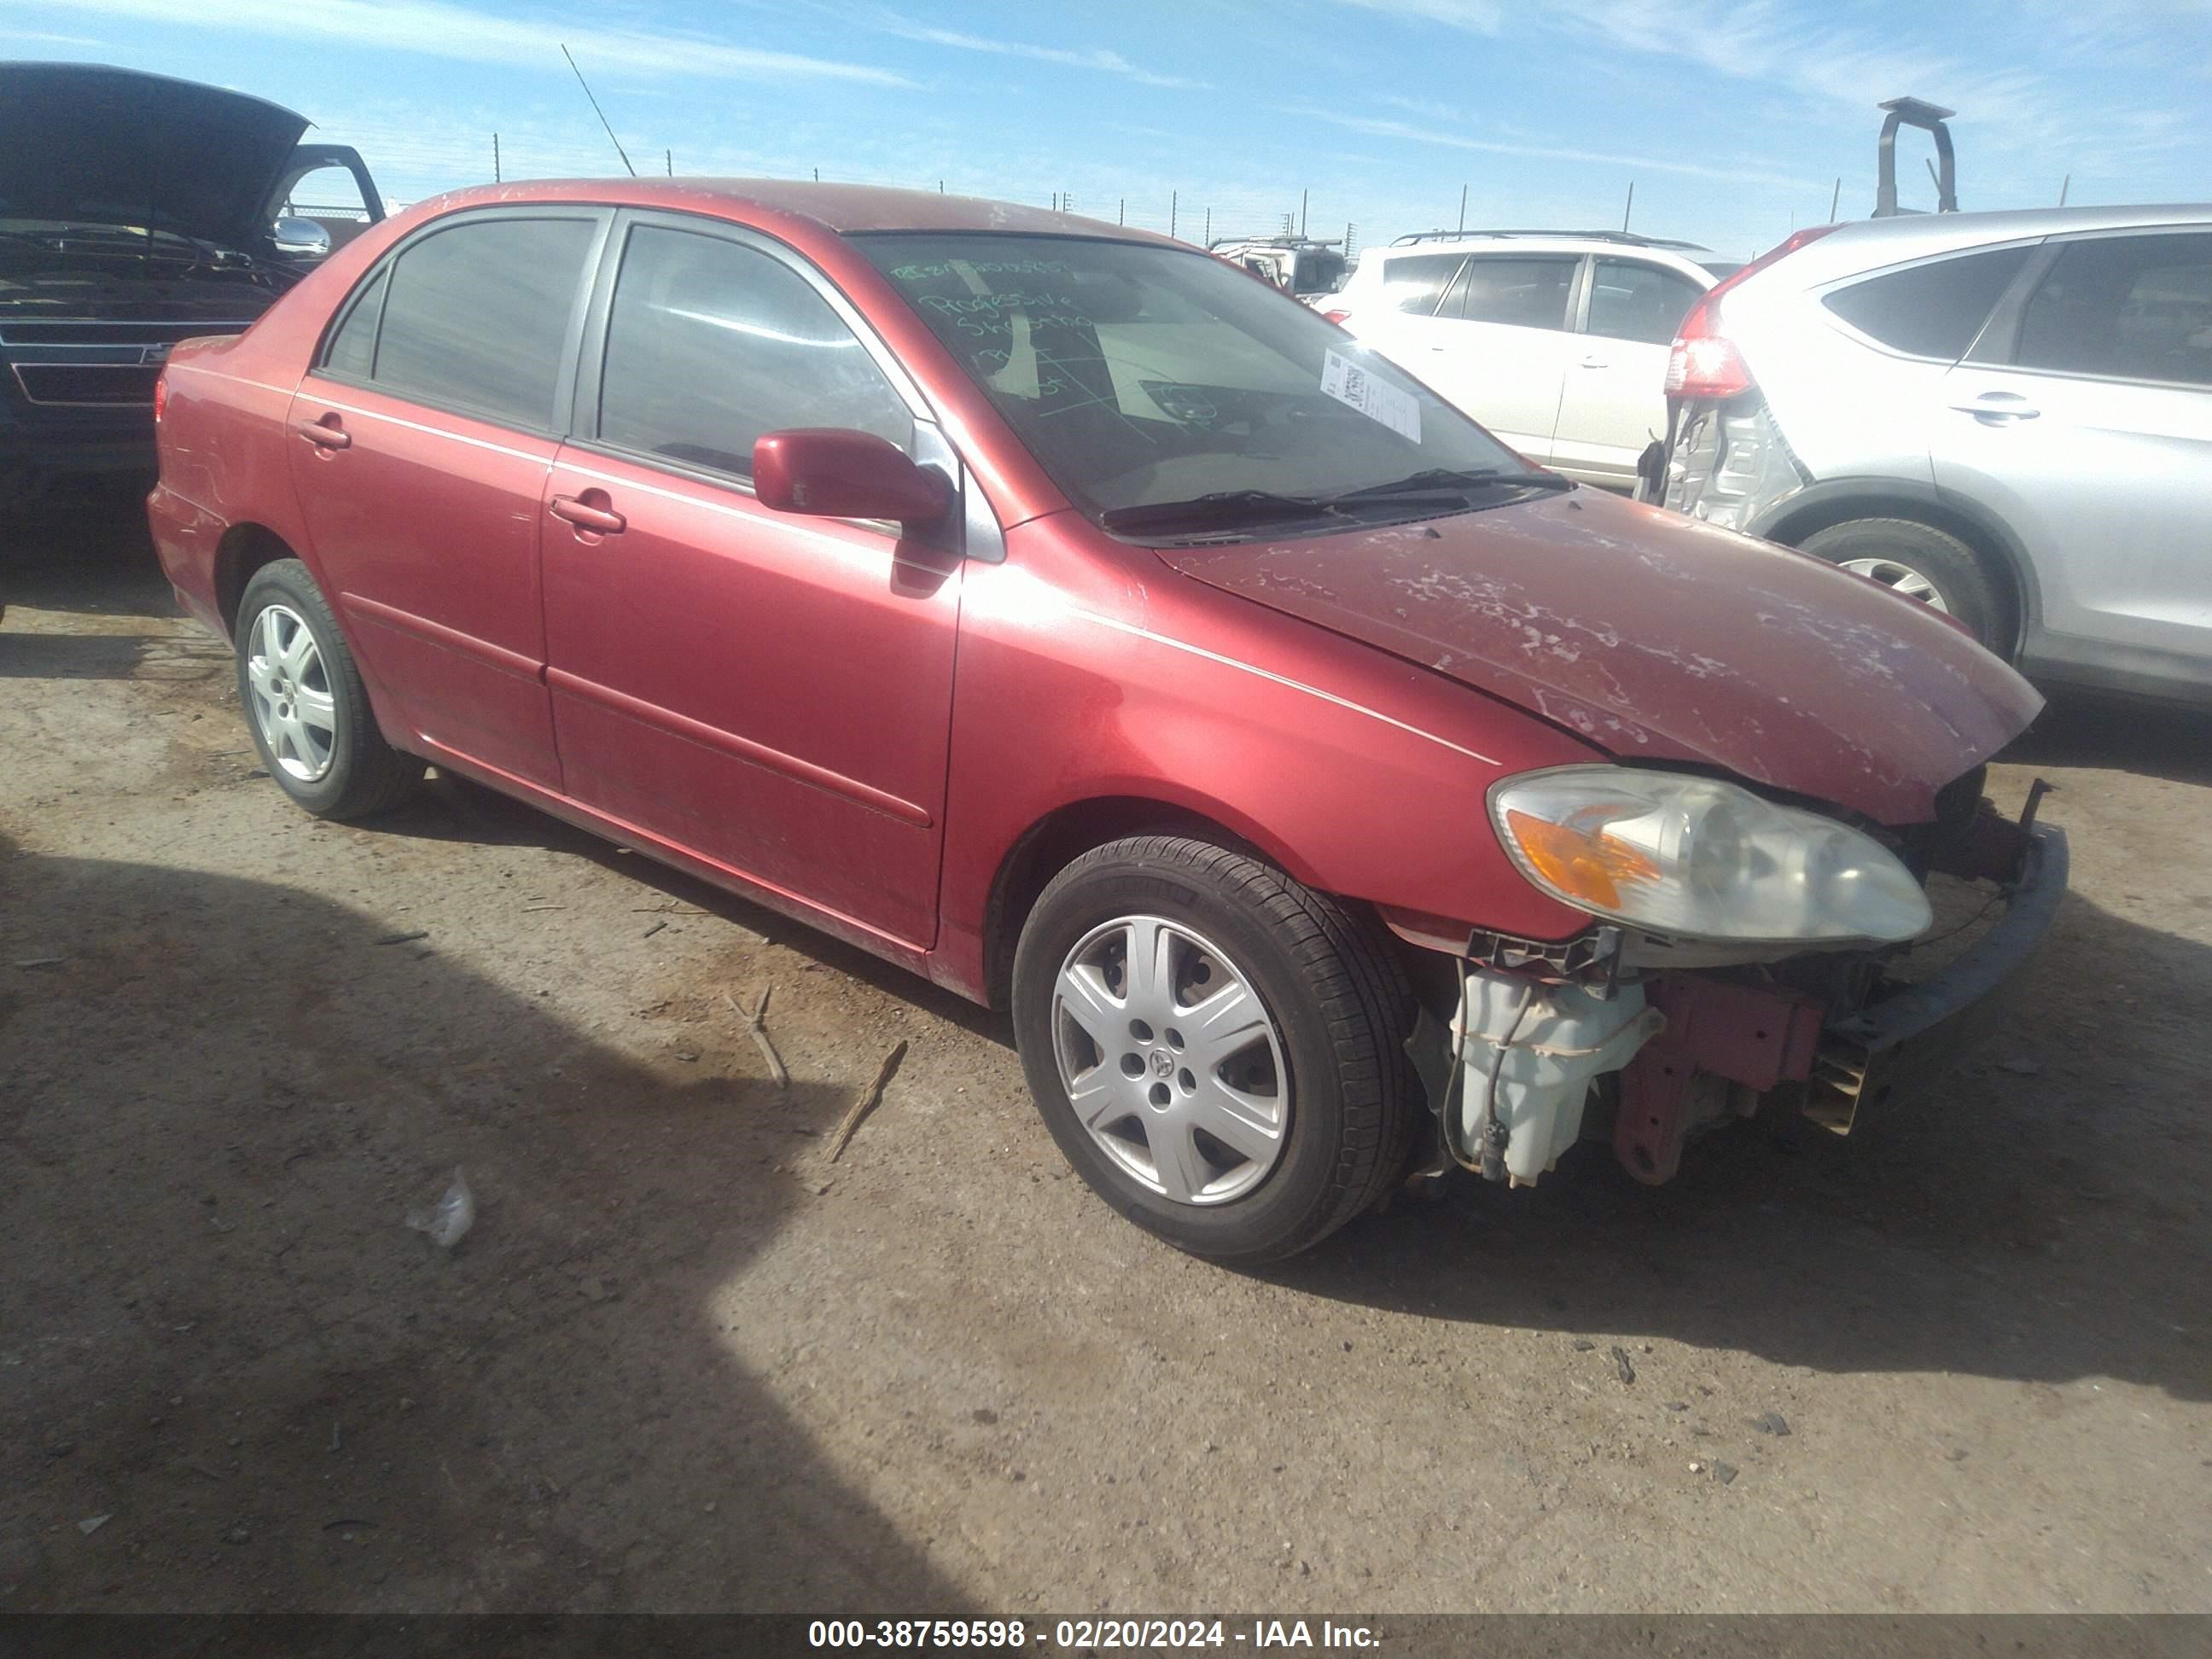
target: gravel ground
1961 1361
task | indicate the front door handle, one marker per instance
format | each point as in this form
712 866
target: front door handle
329 433
586 514
1999 406
1597 362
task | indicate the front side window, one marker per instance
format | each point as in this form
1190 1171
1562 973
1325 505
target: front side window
1524 292
711 344
1632 300
1932 310
2133 307
1142 376
1416 284
477 316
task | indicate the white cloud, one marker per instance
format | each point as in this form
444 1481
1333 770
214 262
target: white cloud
1746 175
1476 16
1089 57
436 29
41 37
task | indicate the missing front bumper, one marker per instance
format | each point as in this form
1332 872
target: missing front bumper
1894 1048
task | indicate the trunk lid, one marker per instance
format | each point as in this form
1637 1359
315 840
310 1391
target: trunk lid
1658 638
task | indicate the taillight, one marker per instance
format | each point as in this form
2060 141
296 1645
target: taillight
1704 362
160 395
1339 318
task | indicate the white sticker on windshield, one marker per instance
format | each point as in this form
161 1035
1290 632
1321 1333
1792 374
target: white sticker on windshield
1348 383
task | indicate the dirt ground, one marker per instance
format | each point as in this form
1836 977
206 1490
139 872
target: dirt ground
683 1362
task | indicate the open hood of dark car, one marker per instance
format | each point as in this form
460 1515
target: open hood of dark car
90 143
1659 638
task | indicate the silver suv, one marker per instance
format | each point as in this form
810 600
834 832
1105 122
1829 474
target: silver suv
2007 414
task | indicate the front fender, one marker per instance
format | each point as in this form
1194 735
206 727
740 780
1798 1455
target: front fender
1359 774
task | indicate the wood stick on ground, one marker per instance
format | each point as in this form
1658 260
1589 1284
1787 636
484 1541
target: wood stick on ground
867 1103
757 1025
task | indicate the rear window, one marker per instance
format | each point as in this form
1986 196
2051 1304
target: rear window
1931 310
477 316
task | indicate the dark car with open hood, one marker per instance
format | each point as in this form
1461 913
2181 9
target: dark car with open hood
136 211
1333 799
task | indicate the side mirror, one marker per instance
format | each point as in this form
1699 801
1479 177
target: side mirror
302 238
830 473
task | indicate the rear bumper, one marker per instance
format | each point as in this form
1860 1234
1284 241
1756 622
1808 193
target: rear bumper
1893 1049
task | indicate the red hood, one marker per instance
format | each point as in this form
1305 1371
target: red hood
1657 637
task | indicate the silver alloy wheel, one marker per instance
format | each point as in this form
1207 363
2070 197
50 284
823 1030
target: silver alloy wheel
1902 577
292 700
1170 1059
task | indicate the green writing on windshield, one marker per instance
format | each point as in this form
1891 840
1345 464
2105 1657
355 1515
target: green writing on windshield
929 273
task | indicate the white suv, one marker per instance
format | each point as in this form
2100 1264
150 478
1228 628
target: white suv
2005 415
1556 341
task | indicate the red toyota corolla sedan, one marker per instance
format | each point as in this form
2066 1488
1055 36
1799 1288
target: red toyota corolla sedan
1054 610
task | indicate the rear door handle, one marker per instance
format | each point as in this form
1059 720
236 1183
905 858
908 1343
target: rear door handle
1597 362
329 433
585 515
1999 406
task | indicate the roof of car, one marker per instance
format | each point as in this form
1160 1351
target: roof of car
1449 243
1869 245
1960 229
841 208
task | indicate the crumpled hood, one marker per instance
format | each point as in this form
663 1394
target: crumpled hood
85 142
1657 637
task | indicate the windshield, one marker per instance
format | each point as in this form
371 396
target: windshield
1142 376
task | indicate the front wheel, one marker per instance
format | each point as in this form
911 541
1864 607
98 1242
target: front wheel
305 702
1920 561
1218 1050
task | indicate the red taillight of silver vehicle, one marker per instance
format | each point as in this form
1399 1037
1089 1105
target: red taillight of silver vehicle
1704 362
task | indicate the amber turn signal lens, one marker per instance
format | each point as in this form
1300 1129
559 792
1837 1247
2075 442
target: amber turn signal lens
1590 866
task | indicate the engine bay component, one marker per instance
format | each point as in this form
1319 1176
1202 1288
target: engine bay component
1526 1053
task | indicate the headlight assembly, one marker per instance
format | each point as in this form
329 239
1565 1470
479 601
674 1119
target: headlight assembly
1693 858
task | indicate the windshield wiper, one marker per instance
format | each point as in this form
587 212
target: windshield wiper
1451 481
1219 506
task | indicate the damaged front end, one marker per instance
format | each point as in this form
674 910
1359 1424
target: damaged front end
1650 1039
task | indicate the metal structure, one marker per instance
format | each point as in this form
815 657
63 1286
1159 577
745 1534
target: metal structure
1929 117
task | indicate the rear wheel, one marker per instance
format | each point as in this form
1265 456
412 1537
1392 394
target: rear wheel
1218 1050
304 702
1922 562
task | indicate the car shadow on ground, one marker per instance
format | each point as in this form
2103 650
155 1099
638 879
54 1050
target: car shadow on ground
2040 1217
217 1332
87 549
452 808
2152 740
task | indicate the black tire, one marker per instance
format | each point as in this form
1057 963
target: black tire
1949 566
1339 1000
365 774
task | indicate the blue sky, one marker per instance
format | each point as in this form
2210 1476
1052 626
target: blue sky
1733 118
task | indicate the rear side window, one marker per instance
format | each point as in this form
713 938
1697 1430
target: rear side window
353 349
1932 310
1632 300
477 316
711 344
2135 307
1417 284
1527 293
